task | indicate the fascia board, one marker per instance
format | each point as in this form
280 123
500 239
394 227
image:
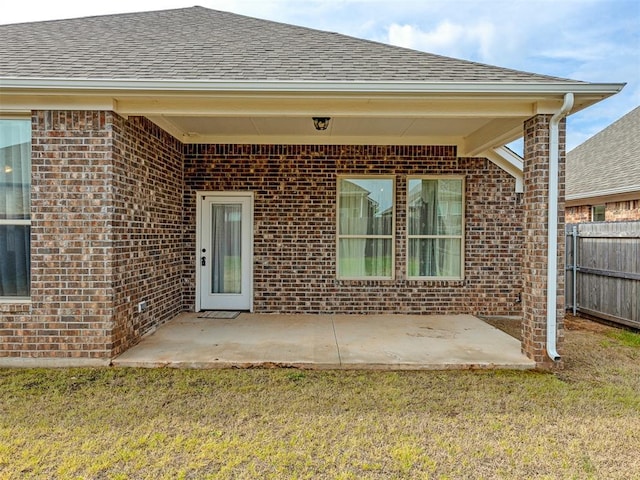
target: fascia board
532 88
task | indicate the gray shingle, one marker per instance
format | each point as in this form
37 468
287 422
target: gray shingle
608 160
202 44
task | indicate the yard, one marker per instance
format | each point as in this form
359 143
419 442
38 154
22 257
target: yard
582 422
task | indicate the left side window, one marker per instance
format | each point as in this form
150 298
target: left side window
15 204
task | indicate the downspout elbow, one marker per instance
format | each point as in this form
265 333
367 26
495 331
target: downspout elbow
552 227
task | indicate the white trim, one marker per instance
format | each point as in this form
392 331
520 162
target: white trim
4 221
15 300
524 86
200 196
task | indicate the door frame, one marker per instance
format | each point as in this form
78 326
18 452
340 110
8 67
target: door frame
200 196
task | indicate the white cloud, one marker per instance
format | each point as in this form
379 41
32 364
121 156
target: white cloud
447 38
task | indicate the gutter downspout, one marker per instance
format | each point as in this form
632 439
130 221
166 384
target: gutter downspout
552 242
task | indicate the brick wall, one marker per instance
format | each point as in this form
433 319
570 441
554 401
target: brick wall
147 228
295 228
578 214
624 211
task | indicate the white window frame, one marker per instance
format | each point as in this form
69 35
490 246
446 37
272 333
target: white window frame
461 237
391 237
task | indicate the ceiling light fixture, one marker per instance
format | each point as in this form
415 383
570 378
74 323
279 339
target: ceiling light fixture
321 123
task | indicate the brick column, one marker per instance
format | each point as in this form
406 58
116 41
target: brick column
536 191
71 238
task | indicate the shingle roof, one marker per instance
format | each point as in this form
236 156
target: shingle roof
202 44
608 161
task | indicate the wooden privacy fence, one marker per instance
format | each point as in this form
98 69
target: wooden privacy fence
603 271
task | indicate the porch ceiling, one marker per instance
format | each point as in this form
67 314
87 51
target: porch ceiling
300 129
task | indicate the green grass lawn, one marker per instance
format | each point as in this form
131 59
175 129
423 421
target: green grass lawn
579 423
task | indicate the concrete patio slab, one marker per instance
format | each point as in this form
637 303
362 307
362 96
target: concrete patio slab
425 342
327 342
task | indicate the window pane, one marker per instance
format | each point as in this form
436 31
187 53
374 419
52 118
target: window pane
226 248
366 207
435 207
365 257
15 267
15 169
435 257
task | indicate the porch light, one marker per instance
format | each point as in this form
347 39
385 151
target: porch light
321 123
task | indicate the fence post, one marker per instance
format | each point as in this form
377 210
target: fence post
574 234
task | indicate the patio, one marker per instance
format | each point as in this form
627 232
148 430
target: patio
391 342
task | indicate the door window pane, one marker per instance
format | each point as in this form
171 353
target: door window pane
226 248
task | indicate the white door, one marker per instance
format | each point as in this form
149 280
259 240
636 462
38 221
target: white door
225 250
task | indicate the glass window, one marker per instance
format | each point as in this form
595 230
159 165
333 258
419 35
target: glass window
598 213
366 225
15 193
435 216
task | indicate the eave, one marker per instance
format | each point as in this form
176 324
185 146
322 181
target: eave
476 117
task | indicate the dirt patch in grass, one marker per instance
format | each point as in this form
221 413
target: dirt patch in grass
508 325
579 423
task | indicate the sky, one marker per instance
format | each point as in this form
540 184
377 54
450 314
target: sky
590 40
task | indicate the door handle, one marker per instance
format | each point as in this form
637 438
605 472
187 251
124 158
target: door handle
203 261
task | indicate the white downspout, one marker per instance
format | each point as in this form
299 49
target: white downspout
552 242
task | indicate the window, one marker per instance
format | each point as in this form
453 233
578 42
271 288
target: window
435 216
597 213
366 225
15 223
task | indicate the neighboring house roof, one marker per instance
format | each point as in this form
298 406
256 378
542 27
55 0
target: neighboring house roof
607 164
202 44
207 76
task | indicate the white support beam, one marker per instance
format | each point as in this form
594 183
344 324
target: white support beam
510 162
496 133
